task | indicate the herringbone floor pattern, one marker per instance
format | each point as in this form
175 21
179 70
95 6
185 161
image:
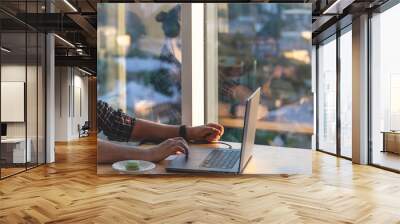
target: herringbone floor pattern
69 191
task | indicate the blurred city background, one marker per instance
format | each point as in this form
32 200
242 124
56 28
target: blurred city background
265 45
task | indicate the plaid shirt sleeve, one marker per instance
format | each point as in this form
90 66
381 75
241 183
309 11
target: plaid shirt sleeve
115 124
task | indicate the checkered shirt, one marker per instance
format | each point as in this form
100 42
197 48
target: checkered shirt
115 124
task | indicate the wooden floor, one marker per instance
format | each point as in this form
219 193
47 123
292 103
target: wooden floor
69 191
386 159
5 172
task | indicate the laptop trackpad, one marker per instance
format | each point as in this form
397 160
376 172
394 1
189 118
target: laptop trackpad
196 157
172 157
193 163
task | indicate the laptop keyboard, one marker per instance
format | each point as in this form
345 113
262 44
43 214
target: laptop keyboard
221 159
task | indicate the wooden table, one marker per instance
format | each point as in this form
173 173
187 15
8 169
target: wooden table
266 160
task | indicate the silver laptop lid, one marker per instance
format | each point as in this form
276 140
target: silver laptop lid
249 130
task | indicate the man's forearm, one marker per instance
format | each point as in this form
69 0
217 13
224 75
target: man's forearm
110 152
151 131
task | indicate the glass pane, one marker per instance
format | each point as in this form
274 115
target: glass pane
385 84
266 45
13 86
41 98
32 98
32 86
346 94
327 96
139 59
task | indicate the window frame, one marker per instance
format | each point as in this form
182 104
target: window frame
334 37
193 57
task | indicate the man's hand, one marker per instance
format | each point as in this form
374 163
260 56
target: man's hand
210 132
168 147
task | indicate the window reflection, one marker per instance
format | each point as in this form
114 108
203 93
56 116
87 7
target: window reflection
139 63
266 45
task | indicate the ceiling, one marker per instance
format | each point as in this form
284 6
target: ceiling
76 21
331 15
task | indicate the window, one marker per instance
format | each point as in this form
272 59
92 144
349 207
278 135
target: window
259 45
335 73
139 59
268 46
22 76
385 89
327 96
346 93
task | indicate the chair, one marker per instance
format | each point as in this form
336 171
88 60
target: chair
84 130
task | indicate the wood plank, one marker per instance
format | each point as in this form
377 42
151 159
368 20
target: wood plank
70 191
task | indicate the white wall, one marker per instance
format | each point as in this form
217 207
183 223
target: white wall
62 81
71 94
80 89
15 73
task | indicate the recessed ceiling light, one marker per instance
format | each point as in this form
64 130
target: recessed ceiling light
84 71
70 5
5 50
337 7
65 41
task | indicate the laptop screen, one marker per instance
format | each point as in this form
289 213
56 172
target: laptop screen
249 130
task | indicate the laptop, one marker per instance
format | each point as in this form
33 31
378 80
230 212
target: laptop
222 160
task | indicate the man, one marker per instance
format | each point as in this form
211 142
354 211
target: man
118 126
